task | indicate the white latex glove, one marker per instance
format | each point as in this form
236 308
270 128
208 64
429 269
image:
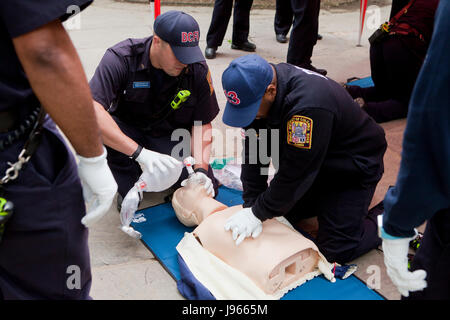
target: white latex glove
160 171
99 187
200 178
129 205
152 160
243 224
396 261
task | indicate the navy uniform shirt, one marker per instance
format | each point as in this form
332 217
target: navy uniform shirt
321 130
127 85
18 17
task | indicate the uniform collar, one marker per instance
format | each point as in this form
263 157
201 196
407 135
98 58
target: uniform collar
275 115
144 64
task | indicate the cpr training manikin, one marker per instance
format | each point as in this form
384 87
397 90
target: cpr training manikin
266 267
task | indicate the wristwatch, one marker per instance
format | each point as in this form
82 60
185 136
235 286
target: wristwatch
201 170
137 152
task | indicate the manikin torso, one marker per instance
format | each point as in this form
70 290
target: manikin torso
273 261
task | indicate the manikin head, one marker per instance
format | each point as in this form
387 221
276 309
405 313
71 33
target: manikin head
192 205
175 42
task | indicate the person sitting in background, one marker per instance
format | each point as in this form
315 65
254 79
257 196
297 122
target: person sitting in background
396 59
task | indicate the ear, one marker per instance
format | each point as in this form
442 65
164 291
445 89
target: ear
271 90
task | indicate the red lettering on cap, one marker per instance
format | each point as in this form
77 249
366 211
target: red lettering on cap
232 97
190 36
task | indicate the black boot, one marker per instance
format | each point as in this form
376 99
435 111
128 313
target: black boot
210 52
281 38
246 46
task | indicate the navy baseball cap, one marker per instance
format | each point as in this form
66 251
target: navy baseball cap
244 82
182 33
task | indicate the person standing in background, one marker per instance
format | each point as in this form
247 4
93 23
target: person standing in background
241 26
304 32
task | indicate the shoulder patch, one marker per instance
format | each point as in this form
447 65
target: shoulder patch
208 78
299 132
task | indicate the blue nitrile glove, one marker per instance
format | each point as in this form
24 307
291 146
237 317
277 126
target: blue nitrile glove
243 224
395 251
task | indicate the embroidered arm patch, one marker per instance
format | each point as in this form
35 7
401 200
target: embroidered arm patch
299 132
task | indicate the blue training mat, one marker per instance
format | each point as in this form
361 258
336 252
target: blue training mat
161 233
363 83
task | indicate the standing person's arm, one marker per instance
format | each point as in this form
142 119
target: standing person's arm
423 183
57 78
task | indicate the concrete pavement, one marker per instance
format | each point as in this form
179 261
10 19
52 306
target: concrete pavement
122 267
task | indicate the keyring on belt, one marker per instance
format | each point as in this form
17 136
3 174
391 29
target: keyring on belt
25 155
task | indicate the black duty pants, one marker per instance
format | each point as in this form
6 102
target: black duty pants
305 14
221 17
347 229
44 251
433 256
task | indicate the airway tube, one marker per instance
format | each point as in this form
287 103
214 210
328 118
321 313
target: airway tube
157 8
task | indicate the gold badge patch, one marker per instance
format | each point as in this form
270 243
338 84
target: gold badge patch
208 77
299 132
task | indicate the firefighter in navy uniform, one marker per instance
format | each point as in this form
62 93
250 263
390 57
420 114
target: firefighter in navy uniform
44 250
330 155
304 34
134 87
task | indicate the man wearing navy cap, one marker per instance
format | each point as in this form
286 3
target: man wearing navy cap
136 91
330 155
